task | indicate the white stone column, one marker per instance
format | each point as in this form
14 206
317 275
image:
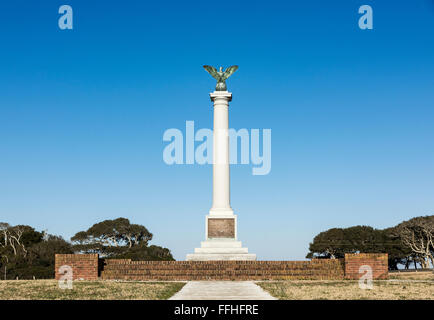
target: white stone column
221 240
221 181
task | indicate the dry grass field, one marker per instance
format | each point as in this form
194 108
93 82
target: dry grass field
401 286
420 275
405 286
87 290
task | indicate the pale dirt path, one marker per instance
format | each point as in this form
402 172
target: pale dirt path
221 290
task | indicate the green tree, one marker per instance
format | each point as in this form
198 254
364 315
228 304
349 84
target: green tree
119 238
391 244
417 235
328 244
335 242
27 253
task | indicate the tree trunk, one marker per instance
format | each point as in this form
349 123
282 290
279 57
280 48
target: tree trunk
429 261
424 263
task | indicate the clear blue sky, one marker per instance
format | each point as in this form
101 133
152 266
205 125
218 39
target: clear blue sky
83 112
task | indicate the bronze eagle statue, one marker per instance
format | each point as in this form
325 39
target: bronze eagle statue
221 76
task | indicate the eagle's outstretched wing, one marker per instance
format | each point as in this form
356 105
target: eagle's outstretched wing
212 71
229 71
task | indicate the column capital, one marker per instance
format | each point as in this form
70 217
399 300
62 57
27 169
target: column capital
221 94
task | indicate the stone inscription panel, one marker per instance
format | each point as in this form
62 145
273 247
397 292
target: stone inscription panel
221 228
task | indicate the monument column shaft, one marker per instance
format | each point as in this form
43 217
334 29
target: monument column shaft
221 177
221 221
221 239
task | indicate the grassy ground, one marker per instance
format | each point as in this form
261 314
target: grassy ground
403 286
420 275
85 290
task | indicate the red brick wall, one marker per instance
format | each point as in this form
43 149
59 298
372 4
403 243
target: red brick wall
222 270
84 266
377 261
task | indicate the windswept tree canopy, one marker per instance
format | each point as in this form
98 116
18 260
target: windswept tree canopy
335 242
15 240
119 238
113 233
328 244
26 253
418 235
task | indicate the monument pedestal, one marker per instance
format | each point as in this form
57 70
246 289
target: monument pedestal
221 241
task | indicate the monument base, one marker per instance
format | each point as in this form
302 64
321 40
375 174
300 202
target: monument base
221 249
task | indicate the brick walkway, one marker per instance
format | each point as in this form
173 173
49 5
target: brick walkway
221 290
